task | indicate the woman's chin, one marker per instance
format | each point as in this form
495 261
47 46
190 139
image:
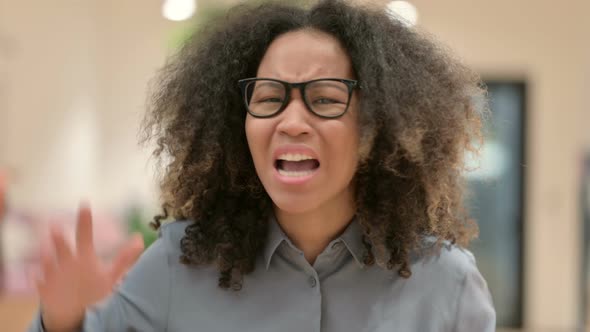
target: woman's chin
294 206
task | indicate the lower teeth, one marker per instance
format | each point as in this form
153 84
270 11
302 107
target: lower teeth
294 174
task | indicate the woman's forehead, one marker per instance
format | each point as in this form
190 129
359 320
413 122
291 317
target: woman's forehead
304 55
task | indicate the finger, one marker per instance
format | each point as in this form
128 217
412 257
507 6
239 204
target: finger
84 241
48 270
32 276
127 257
38 281
48 266
2 181
40 286
63 252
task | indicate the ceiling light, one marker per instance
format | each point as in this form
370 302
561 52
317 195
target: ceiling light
179 10
403 11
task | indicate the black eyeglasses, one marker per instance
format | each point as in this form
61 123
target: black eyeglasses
326 97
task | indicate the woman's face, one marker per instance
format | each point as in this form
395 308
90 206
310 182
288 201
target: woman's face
277 143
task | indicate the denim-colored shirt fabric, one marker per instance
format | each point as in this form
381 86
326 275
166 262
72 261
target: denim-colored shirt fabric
446 292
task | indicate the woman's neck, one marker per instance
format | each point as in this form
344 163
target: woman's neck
312 231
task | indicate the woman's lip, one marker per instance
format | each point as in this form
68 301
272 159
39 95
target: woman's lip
294 180
294 149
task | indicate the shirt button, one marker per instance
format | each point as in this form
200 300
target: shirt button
337 245
312 281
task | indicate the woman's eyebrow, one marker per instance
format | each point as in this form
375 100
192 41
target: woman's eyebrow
333 84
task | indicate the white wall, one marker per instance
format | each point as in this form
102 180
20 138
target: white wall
73 89
133 38
49 107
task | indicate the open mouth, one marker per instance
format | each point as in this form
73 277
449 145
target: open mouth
296 165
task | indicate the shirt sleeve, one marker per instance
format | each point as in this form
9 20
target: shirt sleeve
475 310
140 303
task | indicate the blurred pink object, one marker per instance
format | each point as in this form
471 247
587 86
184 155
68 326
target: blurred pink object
109 232
24 237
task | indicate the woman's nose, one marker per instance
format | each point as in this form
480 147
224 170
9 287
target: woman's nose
295 119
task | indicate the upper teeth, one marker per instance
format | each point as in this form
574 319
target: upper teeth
294 157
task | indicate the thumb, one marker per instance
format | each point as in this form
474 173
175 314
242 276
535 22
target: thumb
127 257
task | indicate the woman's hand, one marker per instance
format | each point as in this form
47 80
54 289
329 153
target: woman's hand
76 279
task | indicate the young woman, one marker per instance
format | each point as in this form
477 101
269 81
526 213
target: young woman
312 164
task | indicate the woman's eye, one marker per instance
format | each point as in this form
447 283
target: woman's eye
273 100
325 101
269 100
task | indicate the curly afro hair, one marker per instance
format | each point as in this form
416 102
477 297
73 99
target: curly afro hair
419 115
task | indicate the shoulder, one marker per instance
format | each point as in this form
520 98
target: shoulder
142 300
156 257
452 275
170 235
443 270
155 264
169 244
450 262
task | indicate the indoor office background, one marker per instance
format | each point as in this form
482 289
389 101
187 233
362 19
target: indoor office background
73 82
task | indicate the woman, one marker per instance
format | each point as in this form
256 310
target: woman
316 157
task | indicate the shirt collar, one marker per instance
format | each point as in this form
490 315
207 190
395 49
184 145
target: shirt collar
352 239
273 240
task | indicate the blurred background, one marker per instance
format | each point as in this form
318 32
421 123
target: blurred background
73 82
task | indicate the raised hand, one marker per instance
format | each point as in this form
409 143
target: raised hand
76 279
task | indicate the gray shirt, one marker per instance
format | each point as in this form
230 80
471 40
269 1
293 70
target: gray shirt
285 293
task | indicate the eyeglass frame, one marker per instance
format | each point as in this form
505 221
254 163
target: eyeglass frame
243 83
